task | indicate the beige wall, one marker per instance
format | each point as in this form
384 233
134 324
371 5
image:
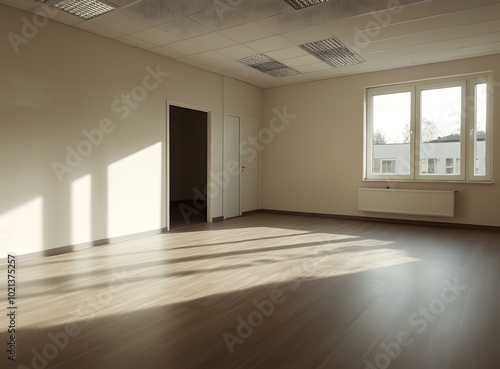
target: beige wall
64 81
316 163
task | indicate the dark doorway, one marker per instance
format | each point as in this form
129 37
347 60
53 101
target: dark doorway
188 166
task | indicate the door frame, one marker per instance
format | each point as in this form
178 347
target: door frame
166 155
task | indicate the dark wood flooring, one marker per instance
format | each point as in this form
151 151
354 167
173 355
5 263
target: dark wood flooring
266 291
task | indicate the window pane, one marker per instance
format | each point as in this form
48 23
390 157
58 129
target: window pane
480 130
440 129
391 133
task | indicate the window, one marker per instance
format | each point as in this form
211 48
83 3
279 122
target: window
388 166
450 166
437 131
428 166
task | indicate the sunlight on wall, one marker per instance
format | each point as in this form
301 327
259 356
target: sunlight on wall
22 228
134 192
81 210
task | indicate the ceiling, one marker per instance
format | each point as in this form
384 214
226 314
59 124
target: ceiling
214 34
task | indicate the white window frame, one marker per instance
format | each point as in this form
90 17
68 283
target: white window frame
468 131
471 128
369 131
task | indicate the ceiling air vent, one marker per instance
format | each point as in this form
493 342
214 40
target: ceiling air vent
301 4
85 9
265 64
333 52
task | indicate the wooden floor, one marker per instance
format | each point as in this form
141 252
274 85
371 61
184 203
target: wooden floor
266 291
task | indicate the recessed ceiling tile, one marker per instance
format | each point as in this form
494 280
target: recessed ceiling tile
221 16
236 51
327 73
306 35
99 30
189 7
120 22
228 64
209 57
186 47
288 53
246 32
269 44
156 36
302 60
153 12
312 67
136 42
283 23
185 28
213 41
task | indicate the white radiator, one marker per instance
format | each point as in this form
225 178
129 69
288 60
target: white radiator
410 202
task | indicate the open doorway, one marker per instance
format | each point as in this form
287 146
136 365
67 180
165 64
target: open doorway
188 153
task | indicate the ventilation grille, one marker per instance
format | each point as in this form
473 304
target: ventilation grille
85 9
333 52
301 4
265 64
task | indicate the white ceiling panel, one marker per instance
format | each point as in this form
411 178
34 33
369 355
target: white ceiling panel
190 7
302 60
213 41
153 12
213 34
228 65
314 33
246 32
288 53
209 57
185 28
269 44
186 47
156 36
237 51
120 22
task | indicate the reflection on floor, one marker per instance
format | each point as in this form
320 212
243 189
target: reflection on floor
266 291
187 212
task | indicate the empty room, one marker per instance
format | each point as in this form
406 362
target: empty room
190 184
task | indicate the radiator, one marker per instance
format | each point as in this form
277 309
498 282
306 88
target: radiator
409 202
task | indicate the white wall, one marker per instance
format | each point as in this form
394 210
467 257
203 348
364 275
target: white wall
316 163
64 81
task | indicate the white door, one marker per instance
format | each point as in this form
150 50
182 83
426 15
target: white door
249 166
232 167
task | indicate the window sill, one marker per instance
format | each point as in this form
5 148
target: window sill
374 180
